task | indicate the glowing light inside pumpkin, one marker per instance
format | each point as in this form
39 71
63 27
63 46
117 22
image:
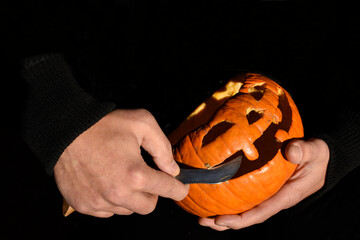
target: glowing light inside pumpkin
197 110
231 88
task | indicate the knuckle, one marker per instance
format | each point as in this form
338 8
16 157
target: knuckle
145 115
137 178
259 218
97 202
115 196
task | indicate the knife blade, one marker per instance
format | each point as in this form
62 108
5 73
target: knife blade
218 174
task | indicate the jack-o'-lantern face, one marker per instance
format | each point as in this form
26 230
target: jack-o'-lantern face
252 116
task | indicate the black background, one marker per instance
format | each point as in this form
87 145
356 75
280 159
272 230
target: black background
168 58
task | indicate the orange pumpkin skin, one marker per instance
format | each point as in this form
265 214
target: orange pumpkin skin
251 116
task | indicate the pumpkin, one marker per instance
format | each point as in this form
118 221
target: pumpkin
252 116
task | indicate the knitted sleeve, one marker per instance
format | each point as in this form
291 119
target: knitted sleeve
344 145
57 108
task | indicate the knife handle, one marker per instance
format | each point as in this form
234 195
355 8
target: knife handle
67 209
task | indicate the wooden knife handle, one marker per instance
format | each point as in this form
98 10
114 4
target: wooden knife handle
67 209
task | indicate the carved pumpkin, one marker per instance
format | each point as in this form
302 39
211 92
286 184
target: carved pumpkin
253 116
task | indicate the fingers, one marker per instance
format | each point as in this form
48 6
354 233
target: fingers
256 215
253 216
101 208
141 203
149 180
110 213
210 222
120 211
101 214
146 185
157 145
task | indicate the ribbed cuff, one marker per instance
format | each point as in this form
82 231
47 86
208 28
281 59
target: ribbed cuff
58 109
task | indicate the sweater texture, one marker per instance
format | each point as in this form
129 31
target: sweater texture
58 109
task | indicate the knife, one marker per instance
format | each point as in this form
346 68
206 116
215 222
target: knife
218 174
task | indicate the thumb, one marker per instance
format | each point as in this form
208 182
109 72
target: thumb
294 151
155 142
300 151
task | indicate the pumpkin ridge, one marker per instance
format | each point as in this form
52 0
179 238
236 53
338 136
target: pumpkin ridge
193 154
247 197
236 193
188 197
197 154
200 186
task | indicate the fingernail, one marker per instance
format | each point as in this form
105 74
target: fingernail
296 152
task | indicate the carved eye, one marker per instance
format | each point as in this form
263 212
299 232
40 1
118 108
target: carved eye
258 91
254 115
216 131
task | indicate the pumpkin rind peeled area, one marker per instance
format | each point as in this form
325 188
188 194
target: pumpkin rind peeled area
251 116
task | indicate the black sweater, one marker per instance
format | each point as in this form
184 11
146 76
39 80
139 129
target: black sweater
57 110
168 59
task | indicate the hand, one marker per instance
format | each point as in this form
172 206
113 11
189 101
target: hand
312 157
102 172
